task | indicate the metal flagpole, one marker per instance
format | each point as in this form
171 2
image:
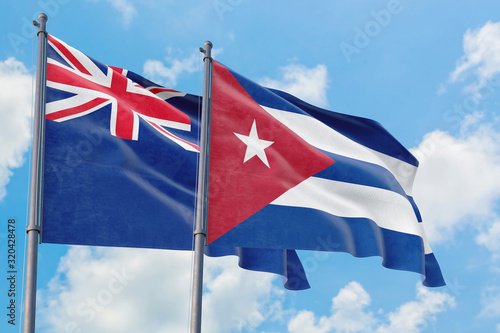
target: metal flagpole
33 229
200 232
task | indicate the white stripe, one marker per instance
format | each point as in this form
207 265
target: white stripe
427 247
168 123
387 209
67 103
77 91
135 88
135 125
323 137
166 94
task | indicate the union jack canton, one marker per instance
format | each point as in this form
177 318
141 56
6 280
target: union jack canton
91 85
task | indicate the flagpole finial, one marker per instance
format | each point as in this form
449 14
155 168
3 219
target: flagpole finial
42 19
42 16
207 51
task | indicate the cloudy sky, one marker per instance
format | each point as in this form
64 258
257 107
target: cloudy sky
429 71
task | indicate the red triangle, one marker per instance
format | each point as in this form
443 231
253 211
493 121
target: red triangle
239 189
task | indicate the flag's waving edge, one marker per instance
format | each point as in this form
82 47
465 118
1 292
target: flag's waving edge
287 175
120 164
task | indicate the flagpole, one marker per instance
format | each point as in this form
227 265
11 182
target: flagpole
33 229
200 232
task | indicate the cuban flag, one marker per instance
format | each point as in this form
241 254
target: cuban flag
287 175
121 163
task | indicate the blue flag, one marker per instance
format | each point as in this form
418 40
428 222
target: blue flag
121 163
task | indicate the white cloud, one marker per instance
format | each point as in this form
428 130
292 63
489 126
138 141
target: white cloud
125 8
309 84
167 75
237 297
131 290
350 314
457 183
155 70
348 309
151 294
490 301
305 321
490 238
15 115
414 316
481 57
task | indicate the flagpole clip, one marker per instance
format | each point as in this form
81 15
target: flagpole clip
31 228
200 232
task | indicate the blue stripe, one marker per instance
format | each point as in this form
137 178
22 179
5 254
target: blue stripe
415 208
354 171
361 130
309 229
433 276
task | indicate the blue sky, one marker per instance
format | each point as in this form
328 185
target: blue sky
429 71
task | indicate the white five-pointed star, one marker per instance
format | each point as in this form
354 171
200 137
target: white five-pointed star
255 146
